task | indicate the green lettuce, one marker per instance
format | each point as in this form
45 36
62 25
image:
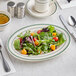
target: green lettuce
61 39
21 35
51 28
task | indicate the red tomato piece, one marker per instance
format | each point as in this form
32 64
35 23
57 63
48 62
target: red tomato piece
56 38
39 31
35 39
20 40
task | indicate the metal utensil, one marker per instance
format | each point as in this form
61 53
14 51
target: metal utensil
5 64
69 28
71 21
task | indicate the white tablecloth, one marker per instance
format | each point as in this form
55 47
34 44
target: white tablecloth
62 65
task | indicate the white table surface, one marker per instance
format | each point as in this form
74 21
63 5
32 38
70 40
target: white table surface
62 65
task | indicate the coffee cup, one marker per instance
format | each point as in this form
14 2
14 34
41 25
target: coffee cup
42 5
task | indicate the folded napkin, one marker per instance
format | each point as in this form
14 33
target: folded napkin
64 3
2 72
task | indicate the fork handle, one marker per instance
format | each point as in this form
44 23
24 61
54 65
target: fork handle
5 64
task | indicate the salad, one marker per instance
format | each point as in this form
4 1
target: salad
43 41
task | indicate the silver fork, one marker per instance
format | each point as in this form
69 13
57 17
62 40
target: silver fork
5 64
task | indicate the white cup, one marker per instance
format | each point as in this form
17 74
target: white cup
42 5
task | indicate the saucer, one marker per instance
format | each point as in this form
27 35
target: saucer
30 8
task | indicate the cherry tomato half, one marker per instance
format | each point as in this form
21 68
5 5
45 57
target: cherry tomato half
56 38
39 31
35 39
20 40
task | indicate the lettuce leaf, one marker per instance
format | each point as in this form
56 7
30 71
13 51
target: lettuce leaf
21 35
29 45
61 39
44 47
29 50
45 35
51 28
37 35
